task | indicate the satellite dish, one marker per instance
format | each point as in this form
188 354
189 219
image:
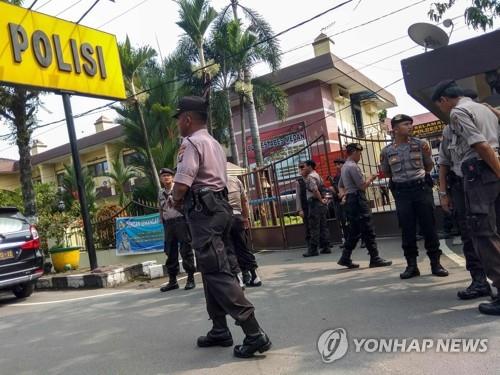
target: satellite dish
428 35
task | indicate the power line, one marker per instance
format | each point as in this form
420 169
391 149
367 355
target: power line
41 6
33 4
87 11
122 14
68 8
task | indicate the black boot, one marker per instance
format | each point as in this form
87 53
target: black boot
377 261
255 339
254 280
190 284
436 267
491 308
346 261
326 250
172 284
478 288
219 335
311 252
247 277
411 269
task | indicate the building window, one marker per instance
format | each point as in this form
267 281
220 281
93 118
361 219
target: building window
60 178
98 169
358 121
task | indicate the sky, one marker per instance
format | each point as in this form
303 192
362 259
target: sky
153 22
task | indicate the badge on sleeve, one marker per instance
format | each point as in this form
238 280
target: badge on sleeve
180 153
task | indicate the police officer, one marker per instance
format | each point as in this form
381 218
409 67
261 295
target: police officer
200 189
176 234
238 201
301 199
475 138
451 193
337 201
317 205
407 162
358 212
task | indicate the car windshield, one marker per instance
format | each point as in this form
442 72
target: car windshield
9 224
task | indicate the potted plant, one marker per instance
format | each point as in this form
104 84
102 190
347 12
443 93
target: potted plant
61 253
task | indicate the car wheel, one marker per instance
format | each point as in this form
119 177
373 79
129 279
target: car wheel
24 290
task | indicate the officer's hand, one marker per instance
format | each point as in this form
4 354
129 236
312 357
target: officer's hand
246 223
344 199
324 201
301 214
445 203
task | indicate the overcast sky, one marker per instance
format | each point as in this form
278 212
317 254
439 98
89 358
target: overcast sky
153 22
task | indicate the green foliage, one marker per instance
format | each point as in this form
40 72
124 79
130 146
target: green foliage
70 187
480 14
195 19
121 175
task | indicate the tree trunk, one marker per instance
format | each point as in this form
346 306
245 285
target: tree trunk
254 125
154 171
234 5
232 137
23 138
243 136
206 87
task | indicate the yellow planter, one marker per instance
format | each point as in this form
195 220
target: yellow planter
65 255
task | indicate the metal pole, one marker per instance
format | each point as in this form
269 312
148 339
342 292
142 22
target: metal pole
87 226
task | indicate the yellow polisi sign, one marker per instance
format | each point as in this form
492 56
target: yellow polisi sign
45 52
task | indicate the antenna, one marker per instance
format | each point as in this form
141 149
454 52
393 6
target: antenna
428 35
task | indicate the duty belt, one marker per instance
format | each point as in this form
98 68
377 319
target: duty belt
175 220
409 184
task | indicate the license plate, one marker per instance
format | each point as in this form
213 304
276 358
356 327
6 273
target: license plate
6 254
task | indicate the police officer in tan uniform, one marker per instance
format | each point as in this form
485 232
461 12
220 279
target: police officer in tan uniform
176 232
407 162
200 190
475 139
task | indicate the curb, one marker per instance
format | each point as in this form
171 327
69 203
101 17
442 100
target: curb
106 277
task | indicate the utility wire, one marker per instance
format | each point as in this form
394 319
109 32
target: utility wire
122 14
33 4
41 6
68 8
87 12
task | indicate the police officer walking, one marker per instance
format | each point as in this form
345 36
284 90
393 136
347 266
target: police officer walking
358 213
301 199
238 201
200 189
407 162
176 234
317 205
475 134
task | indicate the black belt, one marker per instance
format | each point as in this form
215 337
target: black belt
175 220
409 184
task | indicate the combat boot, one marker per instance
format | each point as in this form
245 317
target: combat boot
326 250
254 280
346 261
376 260
478 288
190 284
255 340
172 284
491 308
219 335
411 269
436 267
311 252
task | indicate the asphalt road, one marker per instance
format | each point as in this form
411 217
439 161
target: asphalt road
142 331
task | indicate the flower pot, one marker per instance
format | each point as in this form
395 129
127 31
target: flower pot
61 256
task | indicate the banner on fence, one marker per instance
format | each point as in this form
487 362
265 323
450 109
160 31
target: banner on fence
139 235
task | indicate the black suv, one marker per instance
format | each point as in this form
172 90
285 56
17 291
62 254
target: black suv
21 260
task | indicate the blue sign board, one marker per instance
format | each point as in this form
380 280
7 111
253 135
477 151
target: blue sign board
139 235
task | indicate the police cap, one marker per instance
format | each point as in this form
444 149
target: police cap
351 147
167 171
191 104
399 119
441 88
469 93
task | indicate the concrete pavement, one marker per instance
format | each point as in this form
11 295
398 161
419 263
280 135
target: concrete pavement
142 331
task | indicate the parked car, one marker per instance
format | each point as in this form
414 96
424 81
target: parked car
21 260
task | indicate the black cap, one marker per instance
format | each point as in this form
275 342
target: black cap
191 104
469 93
400 118
339 161
441 87
354 147
167 171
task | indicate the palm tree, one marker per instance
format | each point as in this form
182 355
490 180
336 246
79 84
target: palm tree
133 60
121 175
195 19
70 186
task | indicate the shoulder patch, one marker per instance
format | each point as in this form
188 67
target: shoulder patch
180 153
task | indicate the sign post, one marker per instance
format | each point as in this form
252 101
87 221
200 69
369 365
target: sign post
38 51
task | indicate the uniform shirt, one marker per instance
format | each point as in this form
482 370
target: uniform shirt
236 192
472 123
407 161
166 203
313 183
351 177
201 162
448 154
